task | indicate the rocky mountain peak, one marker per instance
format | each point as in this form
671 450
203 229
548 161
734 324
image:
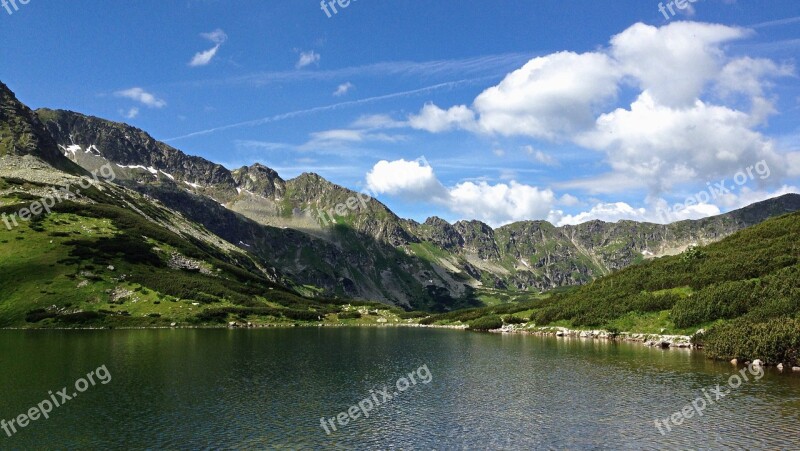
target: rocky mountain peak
129 146
478 238
442 233
435 221
22 133
309 185
261 180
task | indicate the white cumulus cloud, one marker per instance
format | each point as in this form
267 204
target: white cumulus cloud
408 178
501 203
307 59
496 204
685 123
434 119
343 89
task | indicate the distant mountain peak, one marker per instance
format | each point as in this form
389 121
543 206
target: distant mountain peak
261 180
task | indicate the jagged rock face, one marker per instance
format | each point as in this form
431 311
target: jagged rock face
478 238
441 233
129 146
261 180
22 133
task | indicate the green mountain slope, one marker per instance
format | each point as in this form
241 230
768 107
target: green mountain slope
742 293
111 257
77 250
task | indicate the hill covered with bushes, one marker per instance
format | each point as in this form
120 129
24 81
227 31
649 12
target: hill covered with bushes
741 294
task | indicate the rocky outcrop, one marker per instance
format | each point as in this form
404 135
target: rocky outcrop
260 180
478 239
23 134
439 232
131 147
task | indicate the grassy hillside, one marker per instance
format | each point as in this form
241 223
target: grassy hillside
744 291
107 259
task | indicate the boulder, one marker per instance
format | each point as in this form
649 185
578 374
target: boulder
734 362
758 362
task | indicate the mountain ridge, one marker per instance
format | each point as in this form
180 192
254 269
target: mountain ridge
525 255
368 251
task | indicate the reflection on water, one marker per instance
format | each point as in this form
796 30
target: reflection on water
270 388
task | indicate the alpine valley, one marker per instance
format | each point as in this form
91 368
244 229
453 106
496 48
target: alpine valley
177 239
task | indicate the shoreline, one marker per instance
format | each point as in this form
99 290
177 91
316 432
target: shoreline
649 340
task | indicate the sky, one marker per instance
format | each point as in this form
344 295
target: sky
496 111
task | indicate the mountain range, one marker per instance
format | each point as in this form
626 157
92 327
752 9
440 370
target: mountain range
321 240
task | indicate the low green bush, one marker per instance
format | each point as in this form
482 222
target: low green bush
486 323
349 315
776 341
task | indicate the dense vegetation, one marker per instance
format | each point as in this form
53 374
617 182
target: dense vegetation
744 290
776 341
752 274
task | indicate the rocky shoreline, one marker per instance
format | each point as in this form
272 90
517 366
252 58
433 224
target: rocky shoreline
650 340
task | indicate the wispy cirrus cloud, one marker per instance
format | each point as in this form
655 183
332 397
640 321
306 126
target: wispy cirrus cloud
348 137
319 109
466 67
140 95
218 37
777 22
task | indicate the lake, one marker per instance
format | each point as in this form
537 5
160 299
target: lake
271 388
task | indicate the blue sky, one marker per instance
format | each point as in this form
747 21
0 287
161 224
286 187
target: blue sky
462 109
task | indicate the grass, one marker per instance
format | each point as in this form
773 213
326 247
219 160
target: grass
102 265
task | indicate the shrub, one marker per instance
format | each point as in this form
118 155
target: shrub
302 315
486 323
511 319
412 315
349 315
777 341
34 316
79 318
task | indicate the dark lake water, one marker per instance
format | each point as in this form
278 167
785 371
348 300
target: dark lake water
255 389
